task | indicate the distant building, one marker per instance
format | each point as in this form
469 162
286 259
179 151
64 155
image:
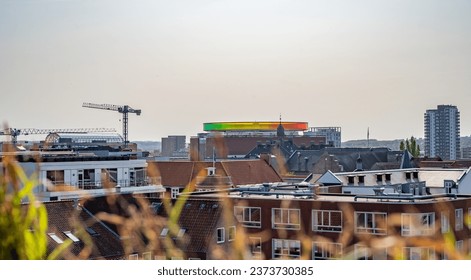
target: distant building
333 135
466 153
442 132
173 144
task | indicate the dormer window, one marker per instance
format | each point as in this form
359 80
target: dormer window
211 171
379 177
351 179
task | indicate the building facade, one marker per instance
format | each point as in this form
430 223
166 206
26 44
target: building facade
333 135
466 153
173 144
442 132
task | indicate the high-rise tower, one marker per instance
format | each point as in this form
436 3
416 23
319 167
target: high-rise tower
442 132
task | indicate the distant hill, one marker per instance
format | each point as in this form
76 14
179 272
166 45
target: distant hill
148 145
393 144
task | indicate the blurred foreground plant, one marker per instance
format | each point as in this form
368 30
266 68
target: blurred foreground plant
22 226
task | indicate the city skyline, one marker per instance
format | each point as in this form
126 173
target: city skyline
365 66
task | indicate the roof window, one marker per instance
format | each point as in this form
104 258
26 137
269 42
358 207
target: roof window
71 236
55 238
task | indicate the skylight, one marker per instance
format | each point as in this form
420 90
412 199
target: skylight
91 231
55 238
164 232
71 236
181 232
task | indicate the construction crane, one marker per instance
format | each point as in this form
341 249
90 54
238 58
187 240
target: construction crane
15 132
125 109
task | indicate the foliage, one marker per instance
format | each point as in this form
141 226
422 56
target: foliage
411 145
22 226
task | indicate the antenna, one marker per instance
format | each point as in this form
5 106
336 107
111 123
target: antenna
368 137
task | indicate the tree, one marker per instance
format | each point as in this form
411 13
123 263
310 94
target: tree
411 145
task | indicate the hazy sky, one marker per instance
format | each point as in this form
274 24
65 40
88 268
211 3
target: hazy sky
353 64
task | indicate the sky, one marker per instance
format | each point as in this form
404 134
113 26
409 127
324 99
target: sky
361 65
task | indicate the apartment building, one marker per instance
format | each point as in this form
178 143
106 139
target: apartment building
442 132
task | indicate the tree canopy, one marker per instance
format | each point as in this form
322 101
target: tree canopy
411 145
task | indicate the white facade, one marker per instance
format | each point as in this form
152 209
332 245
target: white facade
59 180
332 134
414 181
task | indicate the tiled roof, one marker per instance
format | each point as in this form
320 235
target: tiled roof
346 157
198 218
182 173
173 173
445 163
250 172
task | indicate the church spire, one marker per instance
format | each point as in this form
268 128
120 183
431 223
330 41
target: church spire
280 131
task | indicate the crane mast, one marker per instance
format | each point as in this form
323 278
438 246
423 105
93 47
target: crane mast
124 109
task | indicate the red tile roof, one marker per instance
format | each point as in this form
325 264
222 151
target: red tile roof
182 173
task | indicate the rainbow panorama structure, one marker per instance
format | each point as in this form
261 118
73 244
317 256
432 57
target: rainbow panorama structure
265 126
236 139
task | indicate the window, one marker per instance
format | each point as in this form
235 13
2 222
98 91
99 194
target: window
220 233
137 176
55 176
416 224
326 250
379 178
351 179
255 245
370 222
459 219
110 175
248 216
361 179
231 233
147 256
91 231
363 252
55 238
388 177
134 257
181 232
325 220
71 236
408 175
459 246
174 192
284 218
445 222
286 248
164 232
418 253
